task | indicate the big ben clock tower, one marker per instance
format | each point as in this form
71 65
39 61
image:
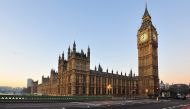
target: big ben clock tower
147 43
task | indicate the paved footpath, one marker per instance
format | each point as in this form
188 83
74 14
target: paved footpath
79 105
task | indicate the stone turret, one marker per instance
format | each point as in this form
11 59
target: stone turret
74 47
88 52
95 68
82 52
131 73
69 52
52 72
63 56
100 68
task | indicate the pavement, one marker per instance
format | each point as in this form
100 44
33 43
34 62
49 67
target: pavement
116 104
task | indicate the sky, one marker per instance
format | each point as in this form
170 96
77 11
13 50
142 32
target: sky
33 33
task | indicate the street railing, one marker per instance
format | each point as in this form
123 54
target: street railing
30 98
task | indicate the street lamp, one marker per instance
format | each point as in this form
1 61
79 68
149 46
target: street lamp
146 90
109 87
158 93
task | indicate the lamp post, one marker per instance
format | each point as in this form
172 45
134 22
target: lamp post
146 90
109 87
158 94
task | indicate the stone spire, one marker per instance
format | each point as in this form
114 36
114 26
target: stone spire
74 47
63 56
100 68
88 52
69 52
146 16
146 20
95 68
131 73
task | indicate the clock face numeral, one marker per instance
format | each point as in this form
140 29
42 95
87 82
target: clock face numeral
143 37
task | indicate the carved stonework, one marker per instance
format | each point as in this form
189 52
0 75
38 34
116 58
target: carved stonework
147 57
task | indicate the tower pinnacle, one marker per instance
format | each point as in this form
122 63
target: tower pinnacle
88 52
146 15
69 51
74 47
63 55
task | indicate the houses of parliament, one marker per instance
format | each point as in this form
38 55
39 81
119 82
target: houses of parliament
74 76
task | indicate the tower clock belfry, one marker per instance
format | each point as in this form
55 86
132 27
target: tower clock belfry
147 44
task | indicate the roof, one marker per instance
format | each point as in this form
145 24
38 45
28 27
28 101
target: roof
98 73
146 13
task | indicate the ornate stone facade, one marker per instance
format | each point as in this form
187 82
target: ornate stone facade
147 57
74 76
34 86
49 85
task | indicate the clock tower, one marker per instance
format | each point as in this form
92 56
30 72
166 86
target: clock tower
147 44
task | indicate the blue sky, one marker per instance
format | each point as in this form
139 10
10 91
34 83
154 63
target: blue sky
33 34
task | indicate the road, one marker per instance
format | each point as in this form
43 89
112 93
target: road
173 104
120 104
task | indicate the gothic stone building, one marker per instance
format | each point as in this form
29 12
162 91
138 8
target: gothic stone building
74 76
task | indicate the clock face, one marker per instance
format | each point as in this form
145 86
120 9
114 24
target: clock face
143 37
154 37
